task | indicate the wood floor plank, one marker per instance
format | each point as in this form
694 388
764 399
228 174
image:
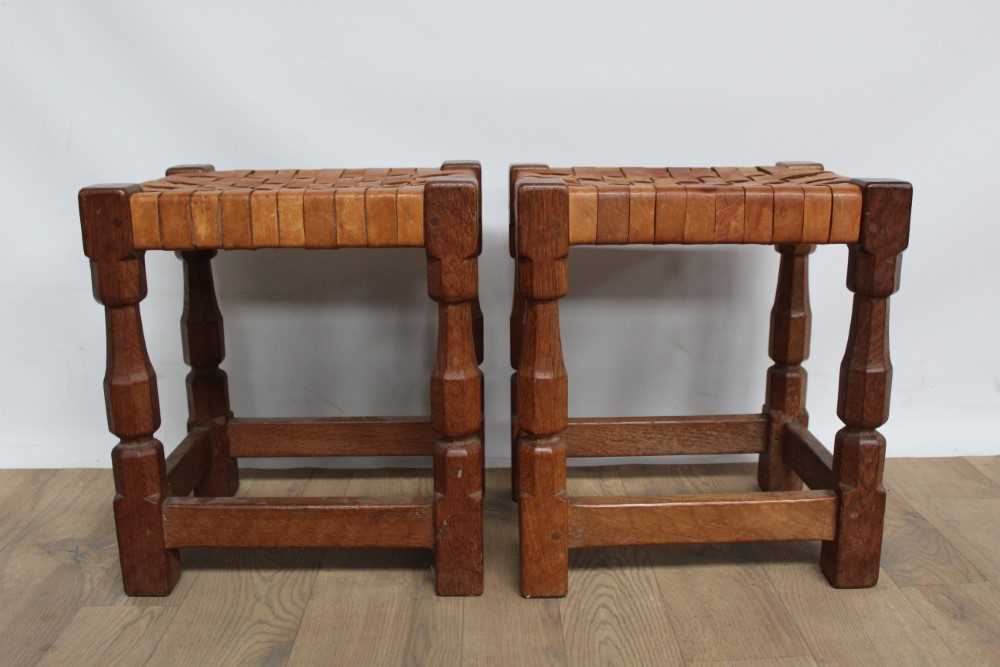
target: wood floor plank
987 465
804 661
966 616
719 598
916 553
60 558
614 613
537 623
119 635
957 503
244 606
382 603
951 477
938 600
20 492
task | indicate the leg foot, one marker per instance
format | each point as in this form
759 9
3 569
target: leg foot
458 516
148 567
544 518
852 560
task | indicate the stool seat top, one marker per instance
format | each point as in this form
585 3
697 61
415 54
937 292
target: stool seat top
791 202
193 208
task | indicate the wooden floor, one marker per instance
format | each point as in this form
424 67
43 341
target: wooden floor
938 600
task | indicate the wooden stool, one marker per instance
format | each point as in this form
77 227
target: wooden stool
197 211
792 206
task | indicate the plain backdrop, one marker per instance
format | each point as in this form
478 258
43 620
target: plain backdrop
97 92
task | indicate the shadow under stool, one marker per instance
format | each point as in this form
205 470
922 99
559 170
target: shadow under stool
793 206
162 505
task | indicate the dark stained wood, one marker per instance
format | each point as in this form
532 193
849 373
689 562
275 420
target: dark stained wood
517 311
207 384
189 462
478 327
458 516
543 513
331 436
119 281
659 436
807 457
453 235
792 205
695 519
852 560
788 347
542 400
451 210
298 522
189 169
197 210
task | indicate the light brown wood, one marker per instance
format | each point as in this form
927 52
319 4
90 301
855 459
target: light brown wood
697 519
333 436
196 207
659 436
785 203
720 604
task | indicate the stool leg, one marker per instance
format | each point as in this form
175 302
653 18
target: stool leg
542 399
207 384
119 280
852 559
458 516
516 329
451 232
786 379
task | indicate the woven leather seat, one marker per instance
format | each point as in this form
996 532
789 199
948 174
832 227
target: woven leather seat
164 504
785 203
304 208
793 206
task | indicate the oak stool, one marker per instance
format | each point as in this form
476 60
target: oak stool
186 500
793 206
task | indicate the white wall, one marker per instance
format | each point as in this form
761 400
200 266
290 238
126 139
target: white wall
95 92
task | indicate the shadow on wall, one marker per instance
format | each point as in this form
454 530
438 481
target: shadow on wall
655 331
353 332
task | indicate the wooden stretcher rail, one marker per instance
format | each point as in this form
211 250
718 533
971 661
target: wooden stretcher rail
698 519
351 436
298 522
189 462
807 456
660 436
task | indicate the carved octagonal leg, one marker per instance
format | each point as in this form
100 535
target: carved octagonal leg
542 398
119 281
207 384
786 380
852 559
451 215
516 324
204 349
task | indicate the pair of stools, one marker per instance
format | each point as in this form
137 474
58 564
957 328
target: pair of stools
163 504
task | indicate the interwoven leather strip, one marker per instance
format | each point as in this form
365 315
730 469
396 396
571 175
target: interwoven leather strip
291 208
786 203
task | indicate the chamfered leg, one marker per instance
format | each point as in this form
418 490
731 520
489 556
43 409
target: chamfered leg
204 349
542 399
453 246
207 384
788 347
852 559
119 281
516 324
